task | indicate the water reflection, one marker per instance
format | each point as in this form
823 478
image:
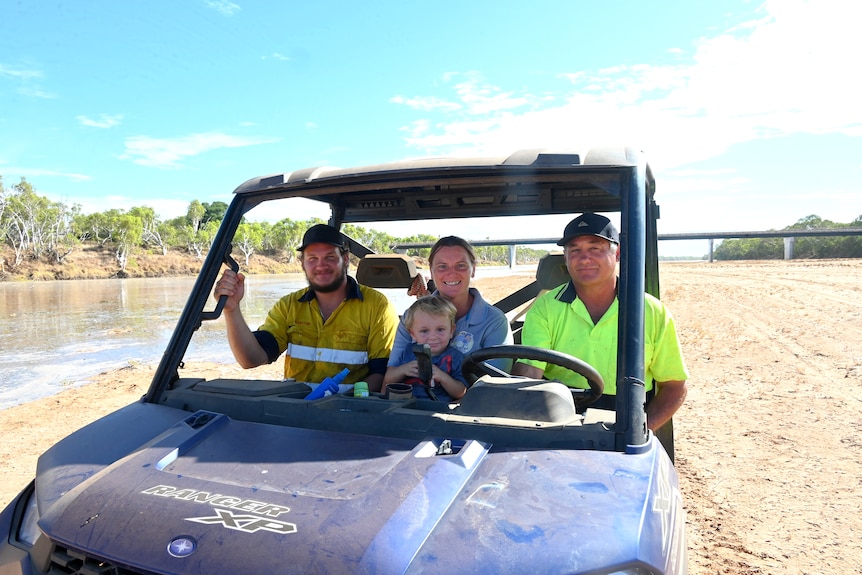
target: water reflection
56 334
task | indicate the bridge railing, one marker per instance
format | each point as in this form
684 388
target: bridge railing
788 235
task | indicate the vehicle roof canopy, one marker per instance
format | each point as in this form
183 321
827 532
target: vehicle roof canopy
527 182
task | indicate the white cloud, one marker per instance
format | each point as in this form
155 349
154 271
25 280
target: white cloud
19 74
223 7
482 97
103 121
26 79
36 93
278 56
475 97
168 152
789 71
426 103
417 128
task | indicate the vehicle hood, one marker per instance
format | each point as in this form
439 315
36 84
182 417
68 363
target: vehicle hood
214 495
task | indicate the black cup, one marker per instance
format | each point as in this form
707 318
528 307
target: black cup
399 391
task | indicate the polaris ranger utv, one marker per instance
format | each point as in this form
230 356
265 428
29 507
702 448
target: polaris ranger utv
247 476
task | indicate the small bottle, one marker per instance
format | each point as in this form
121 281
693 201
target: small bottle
329 385
360 389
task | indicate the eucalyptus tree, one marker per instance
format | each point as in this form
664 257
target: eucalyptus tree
156 233
62 236
213 211
129 230
195 214
98 227
375 240
34 226
249 238
283 237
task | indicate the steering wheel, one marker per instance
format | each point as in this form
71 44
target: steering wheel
475 365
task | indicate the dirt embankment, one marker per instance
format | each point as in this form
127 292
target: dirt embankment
95 262
768 442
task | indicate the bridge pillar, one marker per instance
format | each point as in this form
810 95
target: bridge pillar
788 248
711 244
512 249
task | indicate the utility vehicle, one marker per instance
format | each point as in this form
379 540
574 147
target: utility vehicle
246 476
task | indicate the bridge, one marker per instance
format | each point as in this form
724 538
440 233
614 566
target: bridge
788 235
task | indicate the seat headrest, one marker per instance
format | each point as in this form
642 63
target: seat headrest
552 271
386 271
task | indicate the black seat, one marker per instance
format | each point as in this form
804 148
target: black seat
386 271
552 271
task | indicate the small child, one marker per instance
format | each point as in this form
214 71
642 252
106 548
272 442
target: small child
431 320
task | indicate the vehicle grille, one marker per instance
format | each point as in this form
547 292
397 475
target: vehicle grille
65 561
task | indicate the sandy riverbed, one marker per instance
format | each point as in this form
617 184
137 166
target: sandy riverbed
767 443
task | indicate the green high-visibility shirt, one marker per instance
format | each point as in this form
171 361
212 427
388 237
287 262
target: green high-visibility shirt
558 320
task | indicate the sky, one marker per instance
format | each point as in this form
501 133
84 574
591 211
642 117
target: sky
749 112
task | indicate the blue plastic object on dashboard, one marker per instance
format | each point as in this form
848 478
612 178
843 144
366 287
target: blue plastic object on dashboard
328 386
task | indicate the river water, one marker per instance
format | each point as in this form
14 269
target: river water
57 334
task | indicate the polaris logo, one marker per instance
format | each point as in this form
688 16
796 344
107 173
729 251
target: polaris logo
264 518
182 547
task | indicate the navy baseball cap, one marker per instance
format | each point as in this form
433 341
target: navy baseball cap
322 234
590 225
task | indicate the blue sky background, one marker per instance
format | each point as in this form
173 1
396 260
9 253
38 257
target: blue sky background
750 112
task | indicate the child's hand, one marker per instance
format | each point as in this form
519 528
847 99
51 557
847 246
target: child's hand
453 387
410 369
399 374
437 375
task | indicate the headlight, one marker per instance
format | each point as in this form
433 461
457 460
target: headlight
28 531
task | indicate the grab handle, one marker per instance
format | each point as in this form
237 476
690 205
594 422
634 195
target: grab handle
216 313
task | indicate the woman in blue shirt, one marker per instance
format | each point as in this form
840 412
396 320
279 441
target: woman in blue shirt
478 324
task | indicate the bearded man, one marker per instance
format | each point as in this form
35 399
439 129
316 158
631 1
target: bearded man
332 324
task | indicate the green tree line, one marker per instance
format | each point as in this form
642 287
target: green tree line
815 247
35 227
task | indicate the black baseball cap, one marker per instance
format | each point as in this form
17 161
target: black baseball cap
590 225
322 234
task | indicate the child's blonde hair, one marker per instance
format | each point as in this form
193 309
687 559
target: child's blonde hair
432 305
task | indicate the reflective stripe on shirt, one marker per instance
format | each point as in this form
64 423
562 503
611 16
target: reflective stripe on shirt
329 355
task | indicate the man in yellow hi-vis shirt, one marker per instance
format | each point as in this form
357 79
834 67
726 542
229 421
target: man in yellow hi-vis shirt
332 324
